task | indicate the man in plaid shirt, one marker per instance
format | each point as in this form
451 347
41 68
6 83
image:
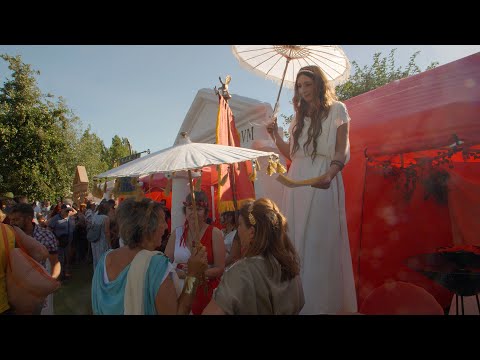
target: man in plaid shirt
22 216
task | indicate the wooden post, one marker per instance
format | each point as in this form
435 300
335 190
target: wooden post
231 168
194 204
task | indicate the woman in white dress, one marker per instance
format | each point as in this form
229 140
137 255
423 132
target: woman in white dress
319 146
227 219
101 246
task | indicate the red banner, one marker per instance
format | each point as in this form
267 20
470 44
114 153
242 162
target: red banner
241 188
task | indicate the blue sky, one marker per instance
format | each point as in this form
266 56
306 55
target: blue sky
144 92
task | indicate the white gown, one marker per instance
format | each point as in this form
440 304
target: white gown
317 223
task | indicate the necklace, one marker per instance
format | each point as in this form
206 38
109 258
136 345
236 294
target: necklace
191 234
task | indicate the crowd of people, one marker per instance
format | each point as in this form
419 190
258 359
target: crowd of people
62 229
191 277
266 258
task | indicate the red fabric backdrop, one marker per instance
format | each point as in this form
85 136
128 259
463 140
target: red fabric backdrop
419 114
394 229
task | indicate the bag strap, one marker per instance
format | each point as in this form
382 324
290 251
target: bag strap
17 242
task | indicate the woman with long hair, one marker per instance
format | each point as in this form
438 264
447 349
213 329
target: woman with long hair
319 146
266 280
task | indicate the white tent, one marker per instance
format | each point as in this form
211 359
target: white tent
250 116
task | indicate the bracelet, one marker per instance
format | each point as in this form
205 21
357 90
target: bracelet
340 164
190 285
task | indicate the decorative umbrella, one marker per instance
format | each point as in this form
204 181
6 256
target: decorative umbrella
281 63
186 155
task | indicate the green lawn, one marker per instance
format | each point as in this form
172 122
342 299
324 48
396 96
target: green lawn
74 296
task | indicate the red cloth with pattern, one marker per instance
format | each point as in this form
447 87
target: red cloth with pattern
205 290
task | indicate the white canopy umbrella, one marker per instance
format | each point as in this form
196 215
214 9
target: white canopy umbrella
186 155
281 63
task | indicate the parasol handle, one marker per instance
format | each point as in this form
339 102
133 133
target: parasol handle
275 109
194 204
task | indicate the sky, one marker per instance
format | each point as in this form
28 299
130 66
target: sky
143 92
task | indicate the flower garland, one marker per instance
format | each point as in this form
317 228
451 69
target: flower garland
430 171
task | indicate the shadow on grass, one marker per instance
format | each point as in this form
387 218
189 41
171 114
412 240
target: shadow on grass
74 296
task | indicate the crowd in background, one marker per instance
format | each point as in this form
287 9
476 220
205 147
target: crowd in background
68 222
198 270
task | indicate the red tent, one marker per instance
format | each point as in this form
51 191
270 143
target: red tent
391 215
154 188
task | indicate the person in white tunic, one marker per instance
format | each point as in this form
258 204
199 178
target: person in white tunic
319 146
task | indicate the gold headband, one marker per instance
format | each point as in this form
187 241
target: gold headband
307 71
251 218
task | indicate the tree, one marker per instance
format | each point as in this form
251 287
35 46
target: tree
91 153
34 136
42 141
382 71
120 148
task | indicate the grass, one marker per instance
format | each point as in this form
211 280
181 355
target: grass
74 296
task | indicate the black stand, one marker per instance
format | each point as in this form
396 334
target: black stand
458 271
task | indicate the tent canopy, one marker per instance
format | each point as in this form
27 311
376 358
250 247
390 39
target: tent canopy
412 119
201 118
419 112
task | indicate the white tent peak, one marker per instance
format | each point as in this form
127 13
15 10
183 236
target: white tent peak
184 139
201 118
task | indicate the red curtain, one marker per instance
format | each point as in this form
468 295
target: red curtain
160 195
354 179
385 228
393 229
464 203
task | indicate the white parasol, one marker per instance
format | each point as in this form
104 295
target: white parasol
281 63
186 155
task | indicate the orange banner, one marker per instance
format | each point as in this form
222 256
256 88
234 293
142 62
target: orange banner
241 188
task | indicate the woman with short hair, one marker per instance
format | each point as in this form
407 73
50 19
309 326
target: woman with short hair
179 248
137 280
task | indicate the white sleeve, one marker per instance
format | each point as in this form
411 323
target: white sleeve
341 116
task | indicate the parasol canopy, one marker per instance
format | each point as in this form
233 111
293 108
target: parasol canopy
186 155
281 63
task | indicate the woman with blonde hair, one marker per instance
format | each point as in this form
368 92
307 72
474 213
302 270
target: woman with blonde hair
137 280
319 147
266 280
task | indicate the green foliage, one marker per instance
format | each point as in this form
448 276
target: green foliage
120 148
382 71
42 141
91 153
286 121
33 136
